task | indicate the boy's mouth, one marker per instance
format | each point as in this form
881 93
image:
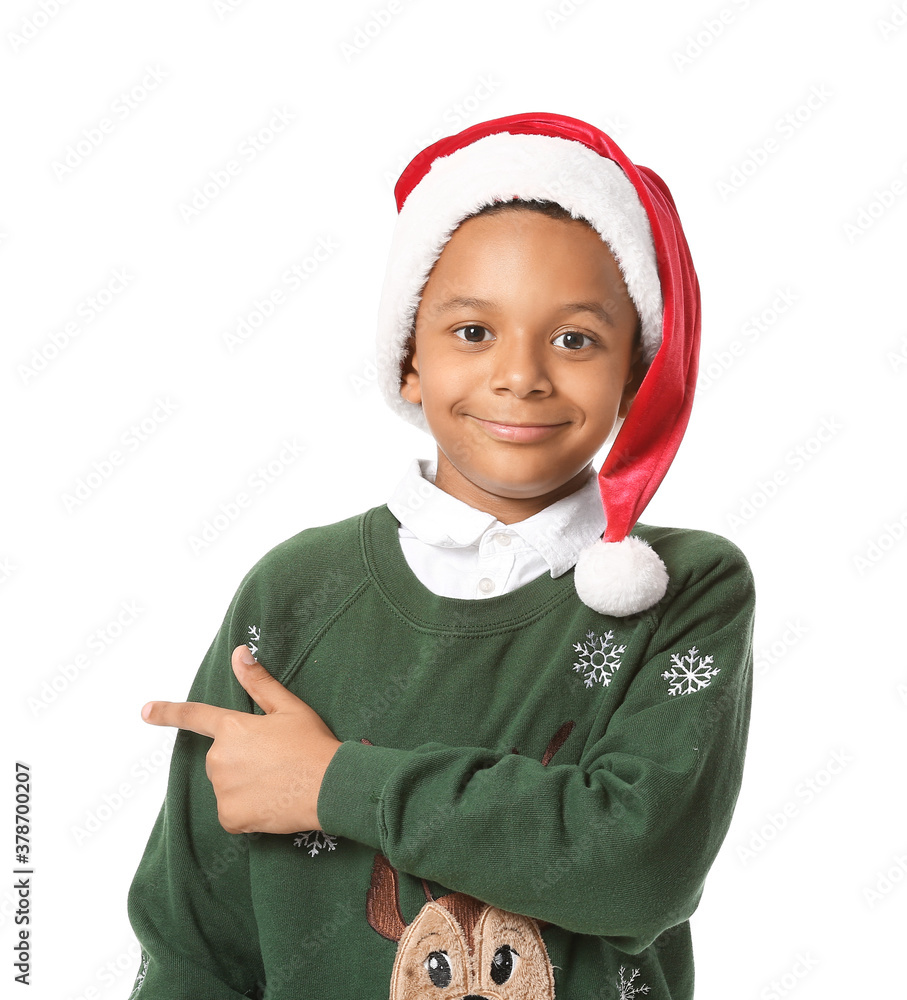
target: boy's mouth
521 433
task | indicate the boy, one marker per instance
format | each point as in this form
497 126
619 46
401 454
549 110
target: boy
497 755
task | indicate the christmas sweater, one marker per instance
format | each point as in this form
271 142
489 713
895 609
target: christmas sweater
525 804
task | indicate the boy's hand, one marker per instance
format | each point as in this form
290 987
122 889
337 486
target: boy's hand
266 769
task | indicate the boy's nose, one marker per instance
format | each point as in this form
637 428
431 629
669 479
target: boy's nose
519 367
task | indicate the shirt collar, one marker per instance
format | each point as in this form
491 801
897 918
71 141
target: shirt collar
561 531
433 516
558 533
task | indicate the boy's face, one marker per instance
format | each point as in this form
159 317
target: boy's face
519 384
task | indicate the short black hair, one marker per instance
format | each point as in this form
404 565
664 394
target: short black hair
550 208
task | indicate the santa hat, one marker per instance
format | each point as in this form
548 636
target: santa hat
555 158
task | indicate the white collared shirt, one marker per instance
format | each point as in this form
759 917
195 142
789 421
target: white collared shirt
458 551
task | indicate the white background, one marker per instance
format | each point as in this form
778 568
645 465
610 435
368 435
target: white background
766 204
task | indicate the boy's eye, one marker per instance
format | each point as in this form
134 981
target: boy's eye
573 340
473 334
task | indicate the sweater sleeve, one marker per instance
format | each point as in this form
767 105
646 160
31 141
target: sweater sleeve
190 903
617 845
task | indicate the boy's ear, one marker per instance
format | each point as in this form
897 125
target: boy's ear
638 369
410 387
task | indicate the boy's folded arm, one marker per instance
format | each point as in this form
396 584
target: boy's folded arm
617 845
190 901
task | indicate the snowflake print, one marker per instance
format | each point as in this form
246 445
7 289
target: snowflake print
599 658
690 672
140 978
254 639
315 841
626 989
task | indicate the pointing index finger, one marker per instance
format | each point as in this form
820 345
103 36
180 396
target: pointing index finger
195 716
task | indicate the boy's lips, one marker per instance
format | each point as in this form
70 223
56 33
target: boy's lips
522 433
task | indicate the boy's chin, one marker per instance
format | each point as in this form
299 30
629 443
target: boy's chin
519 490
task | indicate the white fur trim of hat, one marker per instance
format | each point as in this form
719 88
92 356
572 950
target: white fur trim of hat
500 167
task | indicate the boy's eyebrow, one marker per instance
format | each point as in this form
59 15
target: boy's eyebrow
466 302
470 302
596 308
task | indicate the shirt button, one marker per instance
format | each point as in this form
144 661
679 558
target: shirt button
486 585
502 539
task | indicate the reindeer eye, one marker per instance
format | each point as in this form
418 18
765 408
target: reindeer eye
504 964
438 968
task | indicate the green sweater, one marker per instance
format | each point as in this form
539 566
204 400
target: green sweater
521 753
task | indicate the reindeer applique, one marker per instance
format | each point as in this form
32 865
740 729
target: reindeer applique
458 947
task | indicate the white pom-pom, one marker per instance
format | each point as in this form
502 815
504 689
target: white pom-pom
620 578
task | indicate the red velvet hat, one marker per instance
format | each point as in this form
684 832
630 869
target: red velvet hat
565 160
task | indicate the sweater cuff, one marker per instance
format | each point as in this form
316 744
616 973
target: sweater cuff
349 801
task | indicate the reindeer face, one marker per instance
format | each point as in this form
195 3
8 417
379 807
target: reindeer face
503 958
432 957
459 948
511 959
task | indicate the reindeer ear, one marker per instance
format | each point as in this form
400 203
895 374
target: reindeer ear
382 903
